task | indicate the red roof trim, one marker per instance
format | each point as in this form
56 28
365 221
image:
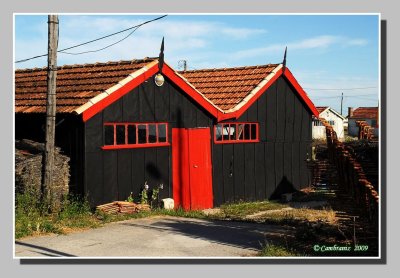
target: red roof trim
194 94
238 113
114 96
289 76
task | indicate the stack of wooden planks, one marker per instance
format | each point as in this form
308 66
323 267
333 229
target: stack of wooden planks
122 207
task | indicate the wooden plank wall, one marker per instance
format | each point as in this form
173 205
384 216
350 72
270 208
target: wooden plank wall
113 174
258 171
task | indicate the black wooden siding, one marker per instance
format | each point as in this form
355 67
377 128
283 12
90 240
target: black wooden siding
249 171
113 174
258 171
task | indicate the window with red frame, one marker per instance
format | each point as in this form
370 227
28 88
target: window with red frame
135 135
236 132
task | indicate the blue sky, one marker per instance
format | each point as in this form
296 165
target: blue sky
326 53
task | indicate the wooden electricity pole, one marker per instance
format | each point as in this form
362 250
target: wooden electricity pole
48 159
341 105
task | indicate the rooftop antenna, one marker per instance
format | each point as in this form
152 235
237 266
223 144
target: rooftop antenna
161 57
284 61
182 64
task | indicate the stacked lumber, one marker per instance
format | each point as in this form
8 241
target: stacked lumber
122 207
109 208
365 131
28 171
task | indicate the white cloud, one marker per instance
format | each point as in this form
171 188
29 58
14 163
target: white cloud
319 42
357 42
316 42
242 33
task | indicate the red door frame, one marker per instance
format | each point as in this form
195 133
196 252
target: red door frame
192 168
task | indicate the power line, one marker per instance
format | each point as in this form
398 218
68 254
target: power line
107 36
340 89
100 49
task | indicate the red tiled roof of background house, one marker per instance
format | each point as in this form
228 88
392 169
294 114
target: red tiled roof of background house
321 108
76 84
365 113
227 87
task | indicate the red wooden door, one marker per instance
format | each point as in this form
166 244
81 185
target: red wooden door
191 166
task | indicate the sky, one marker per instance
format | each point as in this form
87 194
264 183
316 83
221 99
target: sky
328 54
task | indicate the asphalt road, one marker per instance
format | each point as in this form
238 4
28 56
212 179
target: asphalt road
152 237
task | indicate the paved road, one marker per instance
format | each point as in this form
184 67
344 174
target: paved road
152 237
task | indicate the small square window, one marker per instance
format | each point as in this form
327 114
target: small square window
162 133
253 132
236 132
135 135
246 132
218 132
109 135
142 134
152 133
131 134
120 135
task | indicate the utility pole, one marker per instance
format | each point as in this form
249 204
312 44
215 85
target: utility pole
341 105
48 158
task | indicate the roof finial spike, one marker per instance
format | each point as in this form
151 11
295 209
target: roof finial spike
161 56
284 61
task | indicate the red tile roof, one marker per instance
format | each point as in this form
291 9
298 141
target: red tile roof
365 113
76 84
227 87
79 84
321 108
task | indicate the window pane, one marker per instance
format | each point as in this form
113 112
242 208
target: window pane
225 132
108 135
232 132
218 132
240 132
152 133
162 133
142 134
247 132
253 131
131 134
120 129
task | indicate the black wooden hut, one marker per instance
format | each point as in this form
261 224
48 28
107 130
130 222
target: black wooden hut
209 136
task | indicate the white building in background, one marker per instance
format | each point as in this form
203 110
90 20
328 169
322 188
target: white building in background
335 120
368 114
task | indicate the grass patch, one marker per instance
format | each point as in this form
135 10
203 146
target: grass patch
32 218
311 195
273 250
243 209
75 214
325 215
107 218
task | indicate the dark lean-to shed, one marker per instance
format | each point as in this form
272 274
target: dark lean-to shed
209 136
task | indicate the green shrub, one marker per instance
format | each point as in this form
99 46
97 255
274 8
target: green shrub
272 250
32 217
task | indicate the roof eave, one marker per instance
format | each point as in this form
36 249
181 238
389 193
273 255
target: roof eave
81 109
259 87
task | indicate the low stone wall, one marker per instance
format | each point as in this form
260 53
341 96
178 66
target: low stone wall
28 170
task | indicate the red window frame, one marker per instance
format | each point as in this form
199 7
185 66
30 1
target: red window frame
233 139
137 144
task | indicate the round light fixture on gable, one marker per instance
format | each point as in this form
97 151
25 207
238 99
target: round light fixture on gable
159 79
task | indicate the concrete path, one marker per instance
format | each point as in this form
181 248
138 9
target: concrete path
153 237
